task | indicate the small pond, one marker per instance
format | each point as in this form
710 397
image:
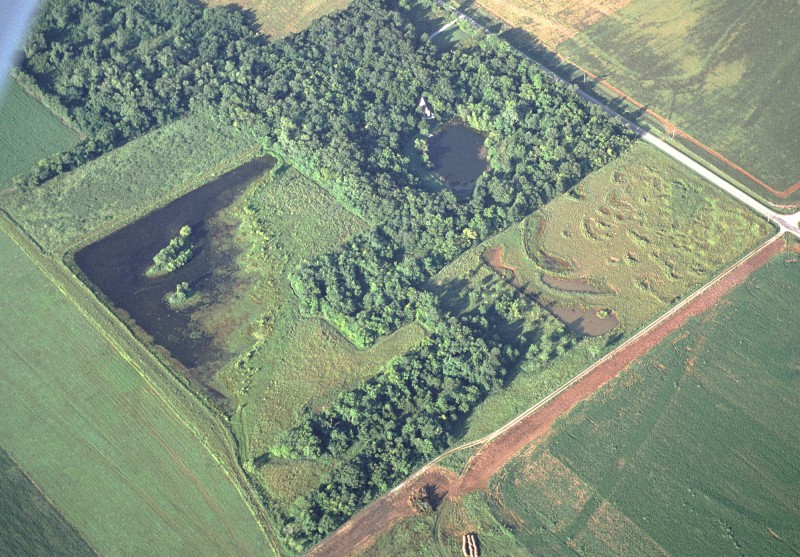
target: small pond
116 265
593 322
458 157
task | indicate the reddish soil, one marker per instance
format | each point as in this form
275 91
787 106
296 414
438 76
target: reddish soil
360 532
377 518
497 452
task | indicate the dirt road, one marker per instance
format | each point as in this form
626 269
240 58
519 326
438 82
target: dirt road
502 445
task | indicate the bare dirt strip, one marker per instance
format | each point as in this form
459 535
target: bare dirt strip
360 531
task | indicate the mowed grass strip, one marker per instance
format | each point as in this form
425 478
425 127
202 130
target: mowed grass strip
129 180
28 133
289 362
29 524
99 440
722 71
694 449
278 19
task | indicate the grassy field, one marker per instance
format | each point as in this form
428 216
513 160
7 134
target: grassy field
28 133
622 475
642 230
119 454
279 19
29 524
721 71
128 180
552 21
691 451
288 362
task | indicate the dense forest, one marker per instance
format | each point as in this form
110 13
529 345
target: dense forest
339 101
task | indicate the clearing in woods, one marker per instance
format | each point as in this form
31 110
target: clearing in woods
28 133
287 362
113 443
278 19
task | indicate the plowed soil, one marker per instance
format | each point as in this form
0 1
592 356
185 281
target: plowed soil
377 518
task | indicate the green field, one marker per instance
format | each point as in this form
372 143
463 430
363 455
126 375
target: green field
722 71
278 19
129 180
691 451
28 132
694 450
113 442
29 524
288 362
643 230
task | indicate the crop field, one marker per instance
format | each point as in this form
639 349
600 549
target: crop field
129 180
552 21
289 362
642 232
117 454
693 450
28 132
721 71
29 524
621 475
278 19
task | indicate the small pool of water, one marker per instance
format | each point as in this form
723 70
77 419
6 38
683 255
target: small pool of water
458 157
116 265
568 285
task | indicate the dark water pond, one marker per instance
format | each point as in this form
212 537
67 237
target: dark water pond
458 156
116 265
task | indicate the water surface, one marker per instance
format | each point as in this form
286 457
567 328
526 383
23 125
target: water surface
116 265
458 157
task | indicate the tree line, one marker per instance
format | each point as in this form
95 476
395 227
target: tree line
338 101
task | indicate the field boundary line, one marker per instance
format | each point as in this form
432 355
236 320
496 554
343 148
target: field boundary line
46 497
168 388
483 441
669 127
652 325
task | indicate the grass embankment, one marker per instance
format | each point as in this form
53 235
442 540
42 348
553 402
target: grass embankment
693 450
289 362
129 181
29 524
642 230
28 133
279 19
121 450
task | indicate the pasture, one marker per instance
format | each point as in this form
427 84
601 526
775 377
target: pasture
724 72
28 133
278 19
287 362
693 450
642 231
128 181
127 457
29 524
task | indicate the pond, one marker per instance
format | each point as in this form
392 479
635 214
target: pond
458 157
593 322
116 265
